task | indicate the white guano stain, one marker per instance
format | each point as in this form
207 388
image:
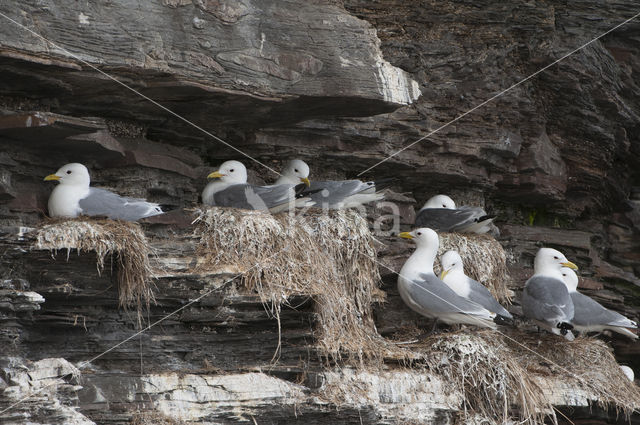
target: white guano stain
83 19
396 85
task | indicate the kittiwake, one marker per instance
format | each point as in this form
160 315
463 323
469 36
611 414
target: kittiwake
333 194
455 278
628 372
230 189
545 298
74 197
591 316
426 294
440 213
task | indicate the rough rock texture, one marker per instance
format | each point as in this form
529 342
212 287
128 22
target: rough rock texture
339 83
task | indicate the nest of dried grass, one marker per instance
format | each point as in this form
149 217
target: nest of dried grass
123 241
484 260
495 371
586 363
329 256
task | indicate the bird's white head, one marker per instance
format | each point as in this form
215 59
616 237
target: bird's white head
628 372
570 279
230 172
423 237
549 260
451 262
74 174
296 171
440 201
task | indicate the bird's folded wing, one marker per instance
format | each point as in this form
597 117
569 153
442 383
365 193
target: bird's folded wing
447 220
545 298
253 197
336 191
435 296
101 202
589 312
480 294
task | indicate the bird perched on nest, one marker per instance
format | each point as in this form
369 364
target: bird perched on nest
545 298
74 197
230 189
591 316
333 194
426 294
440 213
455 278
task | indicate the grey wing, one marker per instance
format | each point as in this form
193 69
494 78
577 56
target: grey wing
435 296
547 299
233 196
275 195
101 202
480 294
589 312
334 192
252 197
448 220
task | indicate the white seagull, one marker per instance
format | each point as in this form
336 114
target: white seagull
440 213
332 194
455 278
74 197
230 189
426 294
591 316
545 298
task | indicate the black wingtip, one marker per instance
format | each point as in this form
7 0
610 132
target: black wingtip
564 327
302 191
299 189
503 320
486 217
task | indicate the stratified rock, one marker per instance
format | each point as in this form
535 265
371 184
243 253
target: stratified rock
42 392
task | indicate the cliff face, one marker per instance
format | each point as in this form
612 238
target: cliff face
342 85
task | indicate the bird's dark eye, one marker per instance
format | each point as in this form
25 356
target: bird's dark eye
296 170
231 170
68 171
444 206
555 257
419 233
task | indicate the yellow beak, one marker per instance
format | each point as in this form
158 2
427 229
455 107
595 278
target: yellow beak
305 181
52 177
215 175
443 274
405 235
570 265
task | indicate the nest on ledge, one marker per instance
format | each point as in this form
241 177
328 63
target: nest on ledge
330 257
495 372
123 241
